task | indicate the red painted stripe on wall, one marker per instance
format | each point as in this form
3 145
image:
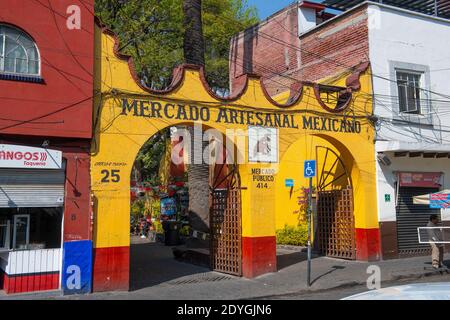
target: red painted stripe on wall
368 247
29 283
259 256
111 269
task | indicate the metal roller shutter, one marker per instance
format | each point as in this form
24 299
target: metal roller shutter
31 188
411 216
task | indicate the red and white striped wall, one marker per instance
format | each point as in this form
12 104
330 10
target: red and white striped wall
30 270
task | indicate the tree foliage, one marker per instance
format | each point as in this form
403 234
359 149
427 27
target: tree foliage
150 155
151 31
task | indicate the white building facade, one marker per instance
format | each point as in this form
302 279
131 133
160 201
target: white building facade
410 61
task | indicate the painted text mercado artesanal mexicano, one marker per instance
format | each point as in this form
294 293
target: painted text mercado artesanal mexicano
168 110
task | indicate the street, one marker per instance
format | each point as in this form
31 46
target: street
343 292
156 275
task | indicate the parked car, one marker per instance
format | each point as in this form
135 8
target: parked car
416 291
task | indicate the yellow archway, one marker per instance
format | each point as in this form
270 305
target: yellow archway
127 115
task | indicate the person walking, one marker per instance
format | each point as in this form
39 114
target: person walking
435 239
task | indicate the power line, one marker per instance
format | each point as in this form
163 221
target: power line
348 68
21 122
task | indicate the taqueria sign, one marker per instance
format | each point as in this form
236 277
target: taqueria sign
14 156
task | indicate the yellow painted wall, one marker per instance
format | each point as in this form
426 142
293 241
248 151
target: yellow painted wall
356 151
118 138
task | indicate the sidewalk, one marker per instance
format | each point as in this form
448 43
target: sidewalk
173 280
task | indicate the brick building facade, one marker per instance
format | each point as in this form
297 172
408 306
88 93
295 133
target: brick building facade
283 53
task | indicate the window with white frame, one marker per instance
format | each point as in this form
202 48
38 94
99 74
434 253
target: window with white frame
409 91
4 233
30 228
19 54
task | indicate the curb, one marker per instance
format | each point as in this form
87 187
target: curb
292 248
349 284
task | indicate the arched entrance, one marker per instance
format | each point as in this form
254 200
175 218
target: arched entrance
127 114
213 241
335 216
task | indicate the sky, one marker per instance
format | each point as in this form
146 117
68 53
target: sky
268 7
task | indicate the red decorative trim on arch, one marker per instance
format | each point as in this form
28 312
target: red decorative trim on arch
179 73
324 106
352 81
352 84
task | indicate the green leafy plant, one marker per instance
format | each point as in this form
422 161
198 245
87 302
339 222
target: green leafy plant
184 231
294 236
158 226
138 209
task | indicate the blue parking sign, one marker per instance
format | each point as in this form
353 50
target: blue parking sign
310 169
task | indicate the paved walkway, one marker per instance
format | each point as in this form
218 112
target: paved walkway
156 275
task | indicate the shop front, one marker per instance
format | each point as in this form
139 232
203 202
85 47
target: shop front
45 220
269 142
31 213
404 175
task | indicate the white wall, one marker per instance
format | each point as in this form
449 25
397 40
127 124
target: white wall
306 19
396 35
398 38
31 261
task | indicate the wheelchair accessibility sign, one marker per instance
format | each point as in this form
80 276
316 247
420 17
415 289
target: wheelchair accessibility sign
310 169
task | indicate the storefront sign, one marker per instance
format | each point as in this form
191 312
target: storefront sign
262 145
420 179
13 156
439 201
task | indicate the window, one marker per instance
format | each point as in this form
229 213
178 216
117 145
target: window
4 233
18 52
30 228
21 237
408 84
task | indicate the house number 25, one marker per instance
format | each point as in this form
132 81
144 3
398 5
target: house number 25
110 176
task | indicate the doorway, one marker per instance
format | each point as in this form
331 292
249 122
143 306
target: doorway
335 210
160 200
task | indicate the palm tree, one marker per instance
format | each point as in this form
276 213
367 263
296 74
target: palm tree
198 174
